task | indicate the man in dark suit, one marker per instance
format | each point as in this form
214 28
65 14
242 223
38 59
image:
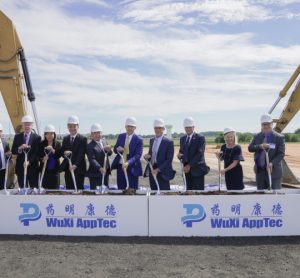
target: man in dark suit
272 142
131 146
74 144
96 150
4 152
160 155
27 141
191 153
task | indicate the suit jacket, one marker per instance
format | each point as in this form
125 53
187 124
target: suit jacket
5 145
134 156
78 149
275 155
57 155
96 158
195 154
164 158
33 155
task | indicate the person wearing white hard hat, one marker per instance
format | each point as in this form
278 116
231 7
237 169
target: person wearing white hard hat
160 155
50 153
191 154
74 144
27 141
268 144
130 146
96 151
4 153
231 154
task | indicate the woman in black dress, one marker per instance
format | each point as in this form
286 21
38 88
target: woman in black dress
50 152
231 154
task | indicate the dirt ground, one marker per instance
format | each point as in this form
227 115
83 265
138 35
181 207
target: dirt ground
42 256
38 256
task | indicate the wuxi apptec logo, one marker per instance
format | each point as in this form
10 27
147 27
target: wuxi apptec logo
69 217
31 212
194 213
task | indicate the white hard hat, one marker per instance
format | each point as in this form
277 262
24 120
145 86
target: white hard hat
1 127
96 127
266 118
130 121
27 119
228 130
159 123
188 122
49 128
73 119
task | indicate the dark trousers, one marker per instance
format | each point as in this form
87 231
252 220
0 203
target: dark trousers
51 180
2 178
79 178
262 181
32 180
97 181
121 181
194 183
163 184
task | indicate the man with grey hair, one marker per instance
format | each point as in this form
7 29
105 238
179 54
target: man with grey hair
268 144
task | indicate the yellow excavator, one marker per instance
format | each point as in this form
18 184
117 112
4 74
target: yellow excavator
290 110
14 78
14 75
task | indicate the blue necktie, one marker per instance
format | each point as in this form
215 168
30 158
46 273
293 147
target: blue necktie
25 138
262 156
186 148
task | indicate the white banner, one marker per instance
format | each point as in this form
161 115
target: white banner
224 215
74 215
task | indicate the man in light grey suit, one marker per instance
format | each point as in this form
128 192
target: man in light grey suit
272 142
4 151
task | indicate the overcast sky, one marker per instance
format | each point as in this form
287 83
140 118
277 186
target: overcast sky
222 62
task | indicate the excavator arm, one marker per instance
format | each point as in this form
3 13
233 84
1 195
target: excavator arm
14 74
293 104
290 110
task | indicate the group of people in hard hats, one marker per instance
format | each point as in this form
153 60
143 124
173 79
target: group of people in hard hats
36 155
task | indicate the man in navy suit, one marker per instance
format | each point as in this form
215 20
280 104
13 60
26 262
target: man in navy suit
4 152
96 150
191 153
74 144
130 146
27 140
160 155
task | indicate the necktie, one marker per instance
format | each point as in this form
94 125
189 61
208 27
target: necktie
25 138
262 157
72 140
126 148
186 149
154 151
